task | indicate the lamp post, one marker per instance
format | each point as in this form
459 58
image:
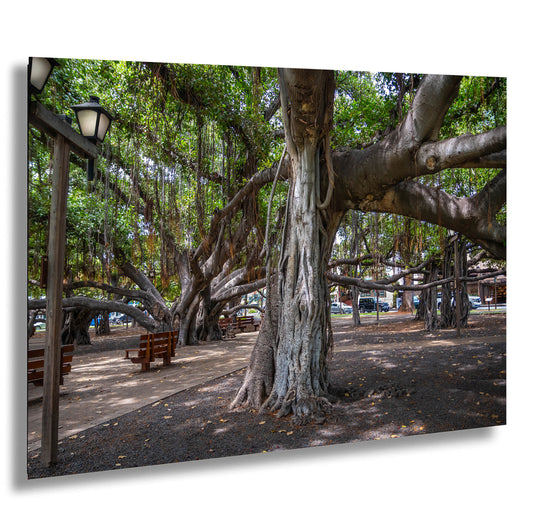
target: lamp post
94 122
39 70
65 141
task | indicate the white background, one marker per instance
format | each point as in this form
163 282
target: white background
486 471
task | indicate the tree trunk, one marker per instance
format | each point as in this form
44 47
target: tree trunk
356 316
427 308
408 305
207 328
102 324
356 244
76 327
32 314
304 336
447 308
301 379
463 295
187 335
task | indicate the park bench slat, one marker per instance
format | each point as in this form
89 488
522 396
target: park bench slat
227 327
36 363
152 346
245 321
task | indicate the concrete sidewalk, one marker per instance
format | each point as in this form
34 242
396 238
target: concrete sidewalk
102 385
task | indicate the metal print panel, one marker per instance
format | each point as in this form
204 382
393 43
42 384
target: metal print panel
257 259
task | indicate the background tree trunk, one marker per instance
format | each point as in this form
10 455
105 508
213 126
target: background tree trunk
207 328
356 316
76 327
356 245
427 309
102 324
447 307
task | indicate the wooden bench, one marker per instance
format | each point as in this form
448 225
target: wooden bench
152 346
227 327
36 364
244 322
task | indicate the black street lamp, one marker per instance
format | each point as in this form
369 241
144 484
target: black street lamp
39 71
94 122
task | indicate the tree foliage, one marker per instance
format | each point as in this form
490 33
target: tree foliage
188 166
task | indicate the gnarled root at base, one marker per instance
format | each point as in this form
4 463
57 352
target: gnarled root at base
254 390
259 377
305 409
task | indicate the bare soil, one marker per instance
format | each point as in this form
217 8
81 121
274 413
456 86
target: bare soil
389 381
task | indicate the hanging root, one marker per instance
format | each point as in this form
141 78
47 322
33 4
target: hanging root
331 176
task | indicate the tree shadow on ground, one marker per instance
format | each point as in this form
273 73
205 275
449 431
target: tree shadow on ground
382 391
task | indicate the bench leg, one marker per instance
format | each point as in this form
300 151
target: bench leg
145 367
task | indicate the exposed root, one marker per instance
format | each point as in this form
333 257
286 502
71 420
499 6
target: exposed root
252 392
304 409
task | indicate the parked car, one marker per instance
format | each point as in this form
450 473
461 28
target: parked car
337 307
473 301
367 304
39 324
416 302
384 306
117 318
347 309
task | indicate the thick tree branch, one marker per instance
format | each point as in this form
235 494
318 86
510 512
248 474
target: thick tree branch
431 103
455 152
353 261
229 293
468 216
376 285
124 292
236 278
99 305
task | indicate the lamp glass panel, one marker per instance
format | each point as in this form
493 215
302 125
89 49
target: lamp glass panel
40 68
102 127
87 120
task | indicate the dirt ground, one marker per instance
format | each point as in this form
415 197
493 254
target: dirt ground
390 381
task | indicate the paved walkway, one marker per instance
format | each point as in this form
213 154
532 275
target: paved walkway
102 385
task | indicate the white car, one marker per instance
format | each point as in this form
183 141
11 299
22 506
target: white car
337 307
474 301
